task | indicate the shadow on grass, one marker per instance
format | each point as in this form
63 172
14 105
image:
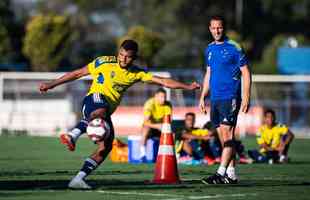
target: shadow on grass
133 185
71 172
14 194
265 183
96 184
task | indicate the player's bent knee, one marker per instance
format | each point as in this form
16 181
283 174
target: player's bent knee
229 143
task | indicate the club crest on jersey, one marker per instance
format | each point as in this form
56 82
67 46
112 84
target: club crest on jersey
100 78
224 52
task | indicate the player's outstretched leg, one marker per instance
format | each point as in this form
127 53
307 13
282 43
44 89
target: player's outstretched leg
91 163
70 139
104 146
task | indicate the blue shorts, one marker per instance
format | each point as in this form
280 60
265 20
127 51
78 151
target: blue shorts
225 112
93 102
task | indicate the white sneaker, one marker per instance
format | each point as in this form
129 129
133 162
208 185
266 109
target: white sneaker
77 183
283 159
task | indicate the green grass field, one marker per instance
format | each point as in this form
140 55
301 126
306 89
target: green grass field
40 168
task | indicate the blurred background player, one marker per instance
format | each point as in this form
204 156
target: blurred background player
273 139
226 65
203 144
111 78
241 153
239 146
154 111
197 144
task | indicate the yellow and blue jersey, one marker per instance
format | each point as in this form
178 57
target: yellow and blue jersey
271 136
155 111
194 131
111 80
225 60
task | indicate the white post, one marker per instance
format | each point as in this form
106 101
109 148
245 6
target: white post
1 88
1 97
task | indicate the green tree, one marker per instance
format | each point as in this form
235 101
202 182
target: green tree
6 19
287 10
87 7
245 44
5 44
47 41
183 23
149 42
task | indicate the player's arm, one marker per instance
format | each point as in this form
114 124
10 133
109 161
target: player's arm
246 88
289 138
70 76
189 136
148 123
171 83
205 91
265 146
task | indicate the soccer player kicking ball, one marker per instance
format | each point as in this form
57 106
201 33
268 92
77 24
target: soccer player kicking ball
226 65
111 78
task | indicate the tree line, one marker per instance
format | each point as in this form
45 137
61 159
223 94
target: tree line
61 35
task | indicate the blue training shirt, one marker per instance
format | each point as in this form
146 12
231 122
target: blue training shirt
225 61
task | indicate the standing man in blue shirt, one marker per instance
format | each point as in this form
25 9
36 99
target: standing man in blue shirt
226 66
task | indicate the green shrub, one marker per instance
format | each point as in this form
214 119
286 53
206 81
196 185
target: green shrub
149 42
48 40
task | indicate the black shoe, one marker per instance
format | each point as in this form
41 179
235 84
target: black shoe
214 179
219 179
230 180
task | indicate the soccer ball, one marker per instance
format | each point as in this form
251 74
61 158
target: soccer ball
98 130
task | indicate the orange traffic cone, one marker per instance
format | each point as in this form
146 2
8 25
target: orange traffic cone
166 170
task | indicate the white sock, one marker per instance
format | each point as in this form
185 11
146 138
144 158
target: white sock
221 170
142 151
75 134
81 175
231 172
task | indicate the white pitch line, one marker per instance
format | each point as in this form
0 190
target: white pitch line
168 196
140 194
219 196
176 197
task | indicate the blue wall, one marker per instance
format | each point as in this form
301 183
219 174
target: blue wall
294 60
